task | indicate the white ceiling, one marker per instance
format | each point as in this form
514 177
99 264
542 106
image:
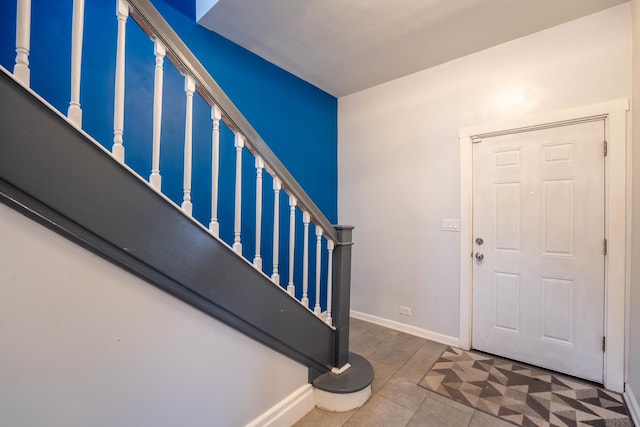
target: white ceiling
343 46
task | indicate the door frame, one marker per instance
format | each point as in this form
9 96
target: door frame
617 216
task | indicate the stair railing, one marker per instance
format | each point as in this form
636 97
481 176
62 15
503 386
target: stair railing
167 44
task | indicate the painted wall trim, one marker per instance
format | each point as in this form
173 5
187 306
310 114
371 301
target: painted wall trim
632 404
616 208
289 410
590 110
407 329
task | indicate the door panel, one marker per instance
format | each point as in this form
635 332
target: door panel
557 217
538 288
507 304
508 216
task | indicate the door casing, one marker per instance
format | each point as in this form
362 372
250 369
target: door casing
617 187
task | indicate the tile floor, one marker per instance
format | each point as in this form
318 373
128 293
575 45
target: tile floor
400 362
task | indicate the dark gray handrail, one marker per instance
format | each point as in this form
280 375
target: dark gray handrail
153 24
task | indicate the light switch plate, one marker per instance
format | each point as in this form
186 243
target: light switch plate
450 224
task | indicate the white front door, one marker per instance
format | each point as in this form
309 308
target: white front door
538 247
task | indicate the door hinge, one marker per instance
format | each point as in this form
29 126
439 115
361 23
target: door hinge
605 148
604 344
605 247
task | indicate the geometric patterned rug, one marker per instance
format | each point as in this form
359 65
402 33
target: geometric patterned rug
521 394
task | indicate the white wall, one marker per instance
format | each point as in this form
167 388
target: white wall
634 315
398 154
83 343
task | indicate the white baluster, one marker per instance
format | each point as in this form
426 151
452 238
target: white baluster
189 88
23 42
216 115
306 218
239 144
330 246
118 110
75 112
277 186
159 51
257 261
316 309
291 288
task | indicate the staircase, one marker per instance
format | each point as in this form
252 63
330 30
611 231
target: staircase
57 174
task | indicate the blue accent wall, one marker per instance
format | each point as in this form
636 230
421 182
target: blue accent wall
186 7
296 119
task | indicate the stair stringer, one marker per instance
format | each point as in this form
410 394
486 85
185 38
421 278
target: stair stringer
60 177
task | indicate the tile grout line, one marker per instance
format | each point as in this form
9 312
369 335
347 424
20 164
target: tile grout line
388 379
374 394
417 384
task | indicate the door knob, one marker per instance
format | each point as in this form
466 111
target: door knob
479 256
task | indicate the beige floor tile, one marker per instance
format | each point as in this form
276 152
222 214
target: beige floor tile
398 350
419 364
358 327
434 412
452 403
321 418
382 374
404 393
365 344
480 419
380 412
430 349
381 331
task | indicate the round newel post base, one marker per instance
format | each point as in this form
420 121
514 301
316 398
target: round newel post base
347 390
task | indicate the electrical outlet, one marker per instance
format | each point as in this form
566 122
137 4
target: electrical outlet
405 310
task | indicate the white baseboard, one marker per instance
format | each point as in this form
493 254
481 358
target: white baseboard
632 404
289 410
407 329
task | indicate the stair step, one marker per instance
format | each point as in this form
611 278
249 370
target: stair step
356 378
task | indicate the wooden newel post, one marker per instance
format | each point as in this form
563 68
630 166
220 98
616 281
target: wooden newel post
341 293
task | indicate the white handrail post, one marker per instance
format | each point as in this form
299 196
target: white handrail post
237 225
23 42
159 50
306 218
316 309
216 116
257 260
122 13
291 288
330 246
189 88
75 112
277 186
